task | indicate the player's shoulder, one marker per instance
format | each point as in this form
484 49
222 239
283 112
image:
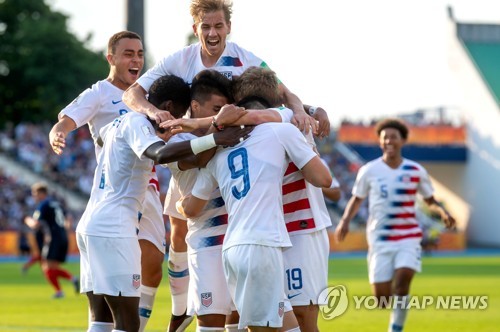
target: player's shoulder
372 165
411 165
186 52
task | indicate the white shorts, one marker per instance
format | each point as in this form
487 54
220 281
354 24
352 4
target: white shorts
254 276
306 267
110 266
151 225
173 195
208 292
384 260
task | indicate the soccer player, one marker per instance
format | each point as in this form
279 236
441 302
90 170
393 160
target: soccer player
249 177
212 24
98 106
132 144
391 183
49 216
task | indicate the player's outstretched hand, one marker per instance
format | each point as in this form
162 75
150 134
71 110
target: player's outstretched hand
324 123
229 114
178 126
305 122
231 136
159 115
341 230
57 142
448 220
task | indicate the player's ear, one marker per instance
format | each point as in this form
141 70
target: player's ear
110 59
195 30
228 27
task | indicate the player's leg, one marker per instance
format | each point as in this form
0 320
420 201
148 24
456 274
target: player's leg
306 275
208 296
100 317
380 274
407 262
232 322
178 273
254 275
125 312
152 242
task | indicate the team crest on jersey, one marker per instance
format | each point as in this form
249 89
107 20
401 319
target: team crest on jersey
228 74
136 281
206 299
281 309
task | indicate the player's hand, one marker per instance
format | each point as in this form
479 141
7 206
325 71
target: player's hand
231 136
305 122
183 125
324 123
57 142
159 115
341 230
448 220
229 114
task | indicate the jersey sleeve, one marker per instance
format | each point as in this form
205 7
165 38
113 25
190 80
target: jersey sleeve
140 135
163 67
296 147
205 184
425 187
361 185
83 108
285 113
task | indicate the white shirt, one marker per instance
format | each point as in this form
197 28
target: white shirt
186 63
250 177
392 198
98 106
121 178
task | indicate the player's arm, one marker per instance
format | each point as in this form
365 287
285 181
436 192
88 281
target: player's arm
350 211
58 133
162 153
447 218
320 115
300 118
190 206
135 98
332 194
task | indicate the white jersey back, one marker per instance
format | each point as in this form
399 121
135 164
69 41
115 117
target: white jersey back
96 106
392 198
186 63
121 178
250 177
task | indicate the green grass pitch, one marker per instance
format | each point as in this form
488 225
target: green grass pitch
26 303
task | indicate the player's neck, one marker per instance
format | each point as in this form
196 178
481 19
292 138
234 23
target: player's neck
392 161
117 82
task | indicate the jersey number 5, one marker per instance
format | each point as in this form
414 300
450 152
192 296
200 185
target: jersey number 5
242 172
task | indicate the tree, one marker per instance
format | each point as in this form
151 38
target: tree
42 65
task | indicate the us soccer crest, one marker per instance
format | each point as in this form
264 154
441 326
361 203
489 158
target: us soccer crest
136 280
281 309
206 299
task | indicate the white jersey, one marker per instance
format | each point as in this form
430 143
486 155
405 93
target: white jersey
186 63
250 177
98 106
121 178
392 198
205 232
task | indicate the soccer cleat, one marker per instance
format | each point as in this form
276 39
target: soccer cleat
76 284
179 323
58 295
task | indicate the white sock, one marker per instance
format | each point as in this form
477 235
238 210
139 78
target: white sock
209 329
146 305
100 327
234 328
178 277
399 312
295 329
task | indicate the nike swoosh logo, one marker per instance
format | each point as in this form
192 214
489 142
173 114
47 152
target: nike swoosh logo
116 102
292 296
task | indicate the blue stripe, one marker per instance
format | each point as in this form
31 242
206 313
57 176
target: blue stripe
215 203
143 312
211 241
410 167
216 221
178 274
